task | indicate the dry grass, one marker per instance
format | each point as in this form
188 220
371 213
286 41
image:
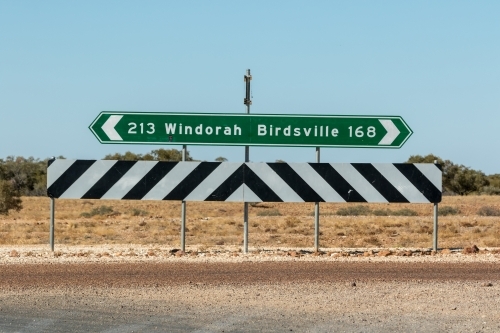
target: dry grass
270 224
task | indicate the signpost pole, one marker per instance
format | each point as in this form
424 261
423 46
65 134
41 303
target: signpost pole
316 212
183 211
247 101
52 213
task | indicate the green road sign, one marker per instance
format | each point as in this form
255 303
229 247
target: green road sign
250 129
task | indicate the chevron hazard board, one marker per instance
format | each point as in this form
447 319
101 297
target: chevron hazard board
244 182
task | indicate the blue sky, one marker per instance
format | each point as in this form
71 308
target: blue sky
435 63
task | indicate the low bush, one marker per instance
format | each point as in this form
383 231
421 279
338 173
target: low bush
269 212
491 190
138 212
291 222
404 212
354 211
448 210
382 212
101 210
488 211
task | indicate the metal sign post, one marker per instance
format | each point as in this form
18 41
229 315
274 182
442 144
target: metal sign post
247 101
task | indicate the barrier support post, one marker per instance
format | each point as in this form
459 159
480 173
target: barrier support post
52 216
435 233
316 212
183 211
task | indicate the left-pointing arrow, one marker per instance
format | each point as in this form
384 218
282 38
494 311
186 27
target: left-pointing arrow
109 127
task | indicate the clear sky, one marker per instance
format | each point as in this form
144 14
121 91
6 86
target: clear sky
435 63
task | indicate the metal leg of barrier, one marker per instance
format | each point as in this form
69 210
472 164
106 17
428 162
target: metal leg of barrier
316 212
245 227
435 233
52 214
183 211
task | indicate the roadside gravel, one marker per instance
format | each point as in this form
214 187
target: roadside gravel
155 253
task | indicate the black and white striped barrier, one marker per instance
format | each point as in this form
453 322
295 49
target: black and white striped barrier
244 182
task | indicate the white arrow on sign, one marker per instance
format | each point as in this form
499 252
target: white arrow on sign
109 127
392 132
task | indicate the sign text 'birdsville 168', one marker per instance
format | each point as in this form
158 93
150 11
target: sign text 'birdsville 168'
250 129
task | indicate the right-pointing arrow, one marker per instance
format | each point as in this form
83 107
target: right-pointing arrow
109 127
392 132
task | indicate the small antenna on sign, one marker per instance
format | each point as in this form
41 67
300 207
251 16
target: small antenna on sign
247 101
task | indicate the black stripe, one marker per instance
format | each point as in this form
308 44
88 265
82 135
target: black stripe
69 177
337 182
422 183
231 184
194 179
379 182
157 173
109 179
285 171
264 192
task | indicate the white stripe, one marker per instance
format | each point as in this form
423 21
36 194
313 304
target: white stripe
109 127
129 180
358 182
278 185
432 173
243 194
212 181
171 180
56 169
316 182
88 179
400 182
392 132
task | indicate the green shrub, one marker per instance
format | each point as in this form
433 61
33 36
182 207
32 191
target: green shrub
382 212
321 213
354 211
447 210
138 212
405 212
269 212
102 210
9 197
488 211
491 190
292 222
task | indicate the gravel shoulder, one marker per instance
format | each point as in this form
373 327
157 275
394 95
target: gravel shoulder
155 253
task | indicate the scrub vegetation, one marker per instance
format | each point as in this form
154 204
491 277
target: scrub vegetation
465 221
